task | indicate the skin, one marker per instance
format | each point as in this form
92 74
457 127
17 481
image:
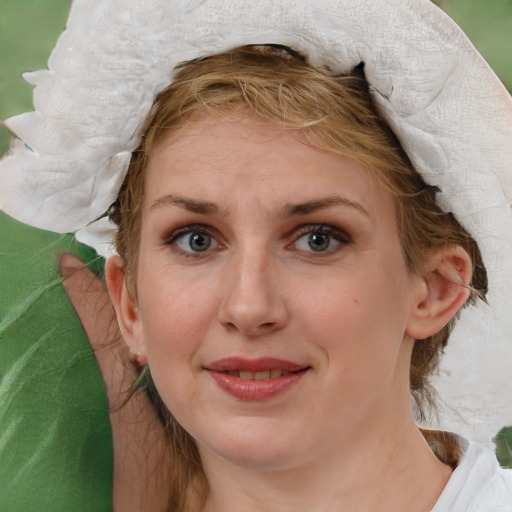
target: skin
348 312
138 439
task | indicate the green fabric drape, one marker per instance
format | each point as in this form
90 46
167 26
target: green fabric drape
55 436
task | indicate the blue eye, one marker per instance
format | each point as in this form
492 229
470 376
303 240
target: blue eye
195 242
192 240
321 239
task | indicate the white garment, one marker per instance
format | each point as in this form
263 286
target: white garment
478 484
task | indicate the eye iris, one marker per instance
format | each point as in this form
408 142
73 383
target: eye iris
199 242
318 241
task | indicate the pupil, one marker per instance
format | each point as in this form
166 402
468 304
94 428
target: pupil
199 242
318 242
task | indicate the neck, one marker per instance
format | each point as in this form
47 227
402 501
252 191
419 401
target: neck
392 470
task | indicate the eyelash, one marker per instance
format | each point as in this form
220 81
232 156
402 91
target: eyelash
338 235
341 237
172 239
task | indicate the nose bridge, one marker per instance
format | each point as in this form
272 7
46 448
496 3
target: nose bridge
252 302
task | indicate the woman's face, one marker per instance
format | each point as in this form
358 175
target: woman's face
273 296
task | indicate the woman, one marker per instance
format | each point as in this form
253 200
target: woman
272 274
279 265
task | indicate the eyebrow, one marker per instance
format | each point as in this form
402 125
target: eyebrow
290 210
320 204
191 205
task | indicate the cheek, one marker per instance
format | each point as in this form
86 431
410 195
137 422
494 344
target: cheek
359 327
175 317
343 303
175 323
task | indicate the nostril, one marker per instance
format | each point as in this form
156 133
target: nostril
253 314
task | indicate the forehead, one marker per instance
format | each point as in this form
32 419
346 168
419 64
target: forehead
235 161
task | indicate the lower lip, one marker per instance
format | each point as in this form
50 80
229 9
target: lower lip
246 389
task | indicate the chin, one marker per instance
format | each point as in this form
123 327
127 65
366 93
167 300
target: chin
255 444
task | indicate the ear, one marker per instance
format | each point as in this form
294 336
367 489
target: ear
442 290
126 307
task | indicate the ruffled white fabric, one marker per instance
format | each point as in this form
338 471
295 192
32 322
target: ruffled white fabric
452 115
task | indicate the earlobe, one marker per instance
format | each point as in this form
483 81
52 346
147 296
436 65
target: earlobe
444 289
126 308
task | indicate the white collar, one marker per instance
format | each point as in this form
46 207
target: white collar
477 484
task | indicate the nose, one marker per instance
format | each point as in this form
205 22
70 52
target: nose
253 301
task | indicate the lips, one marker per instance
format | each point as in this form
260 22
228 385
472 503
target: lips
238 364
255 379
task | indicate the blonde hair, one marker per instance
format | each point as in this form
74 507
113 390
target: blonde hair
334 113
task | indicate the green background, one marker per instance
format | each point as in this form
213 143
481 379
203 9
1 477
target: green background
55 437
30 28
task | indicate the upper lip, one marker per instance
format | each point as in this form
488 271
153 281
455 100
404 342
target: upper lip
233 364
